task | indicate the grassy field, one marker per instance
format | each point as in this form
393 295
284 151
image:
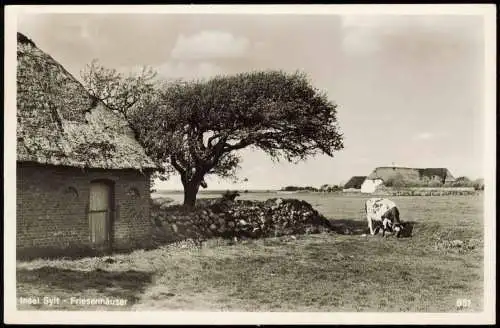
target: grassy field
428 272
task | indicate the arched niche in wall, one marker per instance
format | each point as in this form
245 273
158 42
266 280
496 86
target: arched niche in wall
70 193
133 193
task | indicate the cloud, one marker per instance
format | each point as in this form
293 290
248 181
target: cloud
423 136
361 33
359 41
89 30
210 44
426 135
365 34
27 23
189 70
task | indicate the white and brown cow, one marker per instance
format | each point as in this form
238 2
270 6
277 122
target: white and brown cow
385 212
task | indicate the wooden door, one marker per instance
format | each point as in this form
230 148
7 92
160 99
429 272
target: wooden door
100 214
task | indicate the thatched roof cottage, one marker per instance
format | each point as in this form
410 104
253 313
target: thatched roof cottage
83 180
354 184
383 174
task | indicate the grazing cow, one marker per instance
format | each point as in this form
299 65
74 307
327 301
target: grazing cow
384 211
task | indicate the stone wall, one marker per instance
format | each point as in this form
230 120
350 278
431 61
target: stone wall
236 219
421 191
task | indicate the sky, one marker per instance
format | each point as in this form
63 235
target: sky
409 89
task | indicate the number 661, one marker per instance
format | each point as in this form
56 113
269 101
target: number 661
463 303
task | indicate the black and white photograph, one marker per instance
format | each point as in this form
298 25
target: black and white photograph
250 164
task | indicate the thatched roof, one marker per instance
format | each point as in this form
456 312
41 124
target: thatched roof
60 123
442 173
355 182
386 173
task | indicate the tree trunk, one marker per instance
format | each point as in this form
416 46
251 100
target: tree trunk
190 191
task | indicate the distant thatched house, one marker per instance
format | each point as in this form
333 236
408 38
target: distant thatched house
382 175
354 184
83 181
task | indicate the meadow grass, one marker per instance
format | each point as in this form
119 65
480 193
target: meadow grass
327 272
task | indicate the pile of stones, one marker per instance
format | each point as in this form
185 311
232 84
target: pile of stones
240 219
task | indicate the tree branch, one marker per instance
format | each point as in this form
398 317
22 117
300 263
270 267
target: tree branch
176 165
212 138
240 145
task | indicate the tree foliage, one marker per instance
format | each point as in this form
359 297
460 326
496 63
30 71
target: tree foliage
299 188
197 127
119 92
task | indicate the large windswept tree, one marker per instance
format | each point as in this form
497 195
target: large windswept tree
197 127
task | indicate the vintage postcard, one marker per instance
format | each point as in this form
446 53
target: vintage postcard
249 164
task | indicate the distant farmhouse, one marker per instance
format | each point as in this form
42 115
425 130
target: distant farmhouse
381 175
354 184
83 180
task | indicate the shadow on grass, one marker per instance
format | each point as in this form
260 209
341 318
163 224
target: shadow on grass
359 227
349 226
66 283
75 252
